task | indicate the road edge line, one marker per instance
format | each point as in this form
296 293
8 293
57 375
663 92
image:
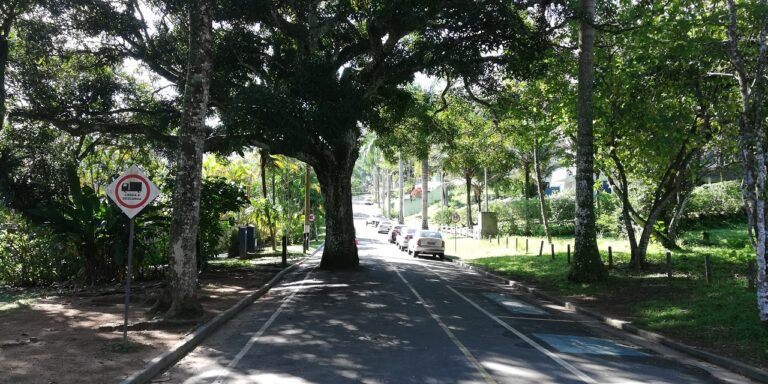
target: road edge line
724 362
163 361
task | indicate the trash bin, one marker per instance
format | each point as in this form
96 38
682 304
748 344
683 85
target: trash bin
251 238
242 241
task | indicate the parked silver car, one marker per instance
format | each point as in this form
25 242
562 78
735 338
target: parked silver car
402 239
427 242
392 235
384 227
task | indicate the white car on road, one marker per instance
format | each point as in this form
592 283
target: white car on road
403 237
384 227
427 242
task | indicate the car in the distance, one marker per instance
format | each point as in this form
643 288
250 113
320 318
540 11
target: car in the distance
402 239
368 201
392 235
374 220
384 227
429 242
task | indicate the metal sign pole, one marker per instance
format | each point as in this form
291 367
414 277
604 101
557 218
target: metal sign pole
128 281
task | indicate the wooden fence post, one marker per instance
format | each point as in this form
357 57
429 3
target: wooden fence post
568 252
707 268
610 257
669 264
541 248
552 245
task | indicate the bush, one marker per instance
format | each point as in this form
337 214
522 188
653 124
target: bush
30 255
562 207
715 203
218 197
443 216
608 214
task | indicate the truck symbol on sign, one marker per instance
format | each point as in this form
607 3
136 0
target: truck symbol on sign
131 186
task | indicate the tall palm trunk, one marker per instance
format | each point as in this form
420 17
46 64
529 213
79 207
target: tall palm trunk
587 265
388 194
468 183
264 157
376 185
443 189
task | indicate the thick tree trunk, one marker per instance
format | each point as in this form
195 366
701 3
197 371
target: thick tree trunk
540 190
388 194
340 251
621 190
376 186
677 216
468 180
526 196
752 144
425 193
478 192
4 49
443 190
264 156
400 215
587 265
526 180
189 160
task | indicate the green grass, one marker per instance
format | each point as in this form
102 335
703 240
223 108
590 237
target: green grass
720 316
17 299
267 256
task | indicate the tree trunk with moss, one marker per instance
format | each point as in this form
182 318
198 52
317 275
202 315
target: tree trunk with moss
189 160
587 265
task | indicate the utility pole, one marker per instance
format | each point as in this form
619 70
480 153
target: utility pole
400 217
485 186
306 209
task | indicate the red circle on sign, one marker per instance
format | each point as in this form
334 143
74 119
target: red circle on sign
123 203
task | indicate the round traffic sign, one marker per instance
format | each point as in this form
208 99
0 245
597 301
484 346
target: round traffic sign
455 217
132 191
311 217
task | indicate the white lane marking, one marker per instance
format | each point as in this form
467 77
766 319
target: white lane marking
581 375
454 339
232 364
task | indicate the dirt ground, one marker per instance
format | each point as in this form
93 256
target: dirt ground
76 338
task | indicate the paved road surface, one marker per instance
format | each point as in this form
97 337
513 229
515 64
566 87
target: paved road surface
403 320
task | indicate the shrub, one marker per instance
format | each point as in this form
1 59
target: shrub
716 202
443 216
30 255
608 214
562 207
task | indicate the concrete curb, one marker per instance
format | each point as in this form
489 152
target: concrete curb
730 364
186 345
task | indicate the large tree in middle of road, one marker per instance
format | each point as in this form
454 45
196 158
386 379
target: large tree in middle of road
303 78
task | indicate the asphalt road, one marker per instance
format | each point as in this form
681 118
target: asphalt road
400 319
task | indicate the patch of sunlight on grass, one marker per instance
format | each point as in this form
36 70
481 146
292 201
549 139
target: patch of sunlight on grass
666 316
22 303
